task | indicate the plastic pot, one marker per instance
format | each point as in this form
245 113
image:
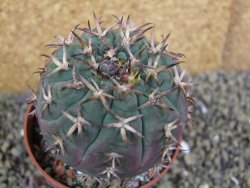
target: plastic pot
29 127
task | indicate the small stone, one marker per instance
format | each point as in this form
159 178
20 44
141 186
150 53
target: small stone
208 163
206 144
190 159
2 165
71 174
10 136
90 182
69 182
27 173
3 171
235 180
7 164
185 173
216 138
12 179
185 147
207 99
247 153
14 151
232 124
5 146
167 184
131 184
247 125
248 182
217 162
216 175
58 167
224 155
4 185
241 164
115 183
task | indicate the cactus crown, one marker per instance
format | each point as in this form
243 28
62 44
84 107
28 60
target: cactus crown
112 101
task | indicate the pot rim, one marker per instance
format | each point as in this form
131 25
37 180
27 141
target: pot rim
31 155
58 184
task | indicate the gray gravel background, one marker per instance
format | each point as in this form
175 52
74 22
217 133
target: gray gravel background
219 142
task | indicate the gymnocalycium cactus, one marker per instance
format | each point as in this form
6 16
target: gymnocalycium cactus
112 101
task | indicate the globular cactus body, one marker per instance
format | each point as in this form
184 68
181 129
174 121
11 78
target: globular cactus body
112 101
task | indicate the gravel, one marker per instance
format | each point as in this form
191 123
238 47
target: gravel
218 145
16 169
220 139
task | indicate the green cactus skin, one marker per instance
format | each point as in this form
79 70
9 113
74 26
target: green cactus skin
120 56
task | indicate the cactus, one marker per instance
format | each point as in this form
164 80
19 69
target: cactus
111 101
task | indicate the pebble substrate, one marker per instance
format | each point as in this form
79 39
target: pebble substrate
219 142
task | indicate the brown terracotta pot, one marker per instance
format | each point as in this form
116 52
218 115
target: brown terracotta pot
28 126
